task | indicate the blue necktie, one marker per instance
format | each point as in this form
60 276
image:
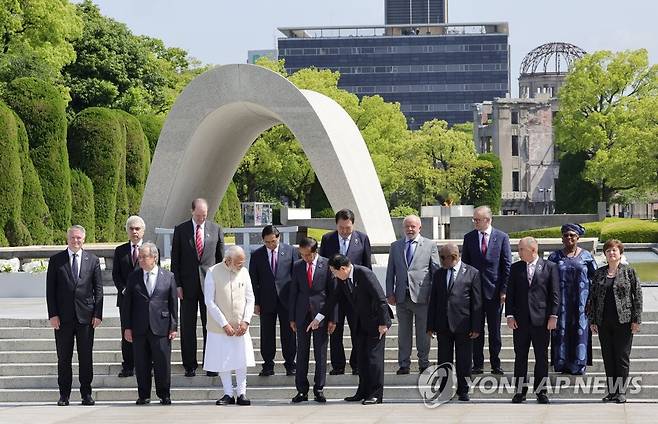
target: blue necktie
409 253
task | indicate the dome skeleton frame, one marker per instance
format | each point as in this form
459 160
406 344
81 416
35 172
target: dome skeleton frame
551 58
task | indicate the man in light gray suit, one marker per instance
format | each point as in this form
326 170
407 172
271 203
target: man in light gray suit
412 261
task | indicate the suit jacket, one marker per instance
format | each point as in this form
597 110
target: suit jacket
270 289
305 300
457 308
628 295
74 299
158 312
368 301
417 276
495 266
358 250
533 303
188 269
122 267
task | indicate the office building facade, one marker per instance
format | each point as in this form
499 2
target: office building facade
401 12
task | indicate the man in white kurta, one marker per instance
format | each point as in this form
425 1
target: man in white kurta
230 304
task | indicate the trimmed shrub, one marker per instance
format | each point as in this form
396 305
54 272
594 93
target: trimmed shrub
42 109
34 211
631 231
11 180
487 184
229 213
401 211
572 193
152 125
95 143
83 208
138 159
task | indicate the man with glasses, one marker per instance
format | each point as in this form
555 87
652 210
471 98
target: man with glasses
488 250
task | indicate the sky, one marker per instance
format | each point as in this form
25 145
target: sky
222 31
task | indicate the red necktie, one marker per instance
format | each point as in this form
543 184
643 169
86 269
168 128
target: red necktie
134 255
273 262
199 241
309 275
484 244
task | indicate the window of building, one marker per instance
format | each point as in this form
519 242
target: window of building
515 117
515 145
515 181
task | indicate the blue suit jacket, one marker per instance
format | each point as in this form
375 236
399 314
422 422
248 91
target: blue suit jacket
495 266
358 250
270 289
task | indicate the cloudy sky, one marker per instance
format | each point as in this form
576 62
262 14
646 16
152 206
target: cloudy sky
222 31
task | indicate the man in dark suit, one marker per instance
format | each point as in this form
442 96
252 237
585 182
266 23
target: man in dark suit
356 246
531 307
124 263
488 250
311 284
74 294
197 245
151 320
270 269
454 314
358 285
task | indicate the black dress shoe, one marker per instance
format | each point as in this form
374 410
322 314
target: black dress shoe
610 397
518 398
87 400
421 369
402 371
355 371
477 371
371 401
620 398
300 397
497 371
142 401
243 401
337 371
63 401
165 401
190 372
291 372
266 373
211 374
542 398
225 400
355 398
319 397
464 397
125 373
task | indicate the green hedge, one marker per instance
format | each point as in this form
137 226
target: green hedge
401 211
83 207
625 229
151 125
138 160
35 212
95 142
43 110
11 180
229 213
572 193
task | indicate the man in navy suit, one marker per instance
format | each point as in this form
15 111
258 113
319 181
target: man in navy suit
270 269
74 294
311 285
488 250
356 246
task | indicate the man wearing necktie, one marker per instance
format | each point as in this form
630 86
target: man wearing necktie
311 285
151 320
124 263
531 307
355 245
197 245
270 269
454 314
488 250
412 261
74 294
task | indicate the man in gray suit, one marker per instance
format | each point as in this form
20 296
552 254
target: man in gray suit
411 262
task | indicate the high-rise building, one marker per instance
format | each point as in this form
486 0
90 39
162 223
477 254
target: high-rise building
401 12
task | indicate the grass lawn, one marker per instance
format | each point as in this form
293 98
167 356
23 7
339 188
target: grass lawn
317 233
646 271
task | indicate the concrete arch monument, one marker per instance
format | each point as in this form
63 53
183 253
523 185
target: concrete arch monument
219 115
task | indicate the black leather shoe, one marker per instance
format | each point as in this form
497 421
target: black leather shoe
243 401
477 371
63 401
291 372
610 397
190 372
542 398
319 397
165 401
212 374
497 371
371 401
518 398
125 373
337 371
266 373
225 400
300 397
355 371
87 400
620 398
421 369
402 371
142 401
355 398
464 397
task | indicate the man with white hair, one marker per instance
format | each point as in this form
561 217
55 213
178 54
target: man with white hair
230 303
